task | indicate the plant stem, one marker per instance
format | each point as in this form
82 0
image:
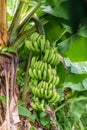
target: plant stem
70 100
81 125
7 97
14 25
38 24
25 88
28 15
24 35
3 23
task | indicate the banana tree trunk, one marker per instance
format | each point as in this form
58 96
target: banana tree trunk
3 24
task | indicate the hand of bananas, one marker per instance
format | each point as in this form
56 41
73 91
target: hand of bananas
43 75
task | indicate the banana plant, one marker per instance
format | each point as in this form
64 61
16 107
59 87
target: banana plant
11 36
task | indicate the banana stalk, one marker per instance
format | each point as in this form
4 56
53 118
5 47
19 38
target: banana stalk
3 23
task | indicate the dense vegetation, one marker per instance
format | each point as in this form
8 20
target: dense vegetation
51 63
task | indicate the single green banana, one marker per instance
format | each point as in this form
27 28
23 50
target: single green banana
38 93
57 80
39 42
34 91
54 80
53 71
35 73
35 82
33 61
47 44
35 44
31 73
40 85
50 94
40 65
46 55
42 46
45 66
58 59
50 86
57 99
44 84
27 42
39 74
41 92
45 94
51 53
32 48
52 62
53 99
34 106
49 67
50 78
55 61
34 36
44 75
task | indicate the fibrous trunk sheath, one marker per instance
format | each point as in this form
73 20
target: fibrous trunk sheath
3 24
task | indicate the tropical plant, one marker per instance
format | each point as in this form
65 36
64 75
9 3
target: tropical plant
43 73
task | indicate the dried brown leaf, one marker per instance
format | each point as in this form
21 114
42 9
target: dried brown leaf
4 126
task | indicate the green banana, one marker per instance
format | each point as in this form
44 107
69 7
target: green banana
52 62
33 61
50 94
47 44
53 99
27 44
45 66
35 44
46 55
35 73
31 73
40 64
50 57
32 48
39 74
42 67
58 59
34 36
34 106
44 75
42 92
42 46
57 80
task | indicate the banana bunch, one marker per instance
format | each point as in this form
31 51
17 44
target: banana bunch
42 72
38 105
37 43
45 91
51 57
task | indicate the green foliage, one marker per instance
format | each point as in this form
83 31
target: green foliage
70 111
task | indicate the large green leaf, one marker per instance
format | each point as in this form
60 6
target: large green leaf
77 109
53 31
23 111
76 67
81 86
60 10
74 48
76 78
83 31
54 2
77 50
